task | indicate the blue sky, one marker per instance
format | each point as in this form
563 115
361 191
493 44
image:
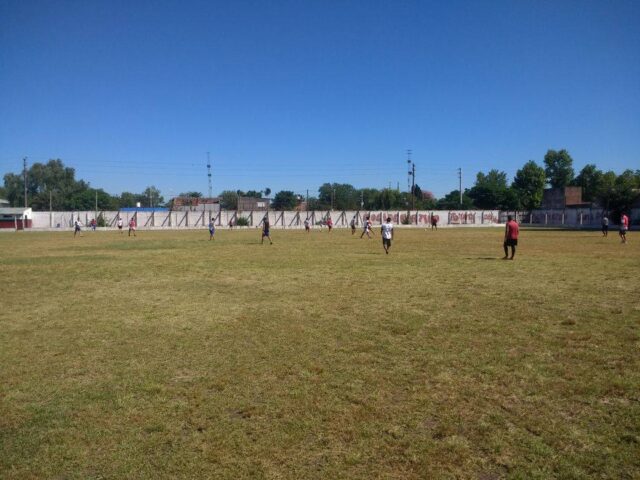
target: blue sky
292 94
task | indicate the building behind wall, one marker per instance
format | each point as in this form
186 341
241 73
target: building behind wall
250 204
563 197
192 204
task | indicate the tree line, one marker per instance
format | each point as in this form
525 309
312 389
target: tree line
52 185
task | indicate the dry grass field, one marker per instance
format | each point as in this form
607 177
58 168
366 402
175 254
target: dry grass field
319 357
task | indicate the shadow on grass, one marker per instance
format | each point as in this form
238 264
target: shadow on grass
483 258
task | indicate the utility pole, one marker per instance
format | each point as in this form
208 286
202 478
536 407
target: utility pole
409 166
413 186
24 164
209 176
411 179
96 217
460 183
307 209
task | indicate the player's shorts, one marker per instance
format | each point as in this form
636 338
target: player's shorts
511 242
211 231
119 227
386 241
77 228
265 233
623 230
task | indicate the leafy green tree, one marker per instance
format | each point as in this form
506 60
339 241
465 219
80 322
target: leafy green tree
558 168
510 200
371 199
191 194
254 194
341 195
591 180
427 201
313 204
451 201
285 200
489 190
605 192
14 189
529 185
128 199
152 195
391 199
229 200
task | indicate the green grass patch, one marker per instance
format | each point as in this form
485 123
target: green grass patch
171 356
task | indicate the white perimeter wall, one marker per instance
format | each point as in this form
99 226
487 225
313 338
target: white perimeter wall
587 217
200 219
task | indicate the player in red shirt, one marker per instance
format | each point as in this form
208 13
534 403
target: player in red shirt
511 232
132 226
624 226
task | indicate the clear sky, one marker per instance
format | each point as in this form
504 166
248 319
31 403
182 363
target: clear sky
292 94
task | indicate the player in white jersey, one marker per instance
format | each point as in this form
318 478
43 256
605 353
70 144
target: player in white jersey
386 230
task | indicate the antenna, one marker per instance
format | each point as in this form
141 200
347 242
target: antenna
209 176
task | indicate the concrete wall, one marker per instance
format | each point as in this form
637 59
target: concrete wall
572 217
289 219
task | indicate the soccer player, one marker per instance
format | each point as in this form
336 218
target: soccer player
511 232
329 223
353 225
120 224
624 226
386 230
307 225
212 229
76 228
265 231
366 229
605 226
132 226
434 222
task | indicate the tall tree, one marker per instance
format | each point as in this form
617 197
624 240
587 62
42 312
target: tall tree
152 195
341 195
229 200
558 168
451 201
489 190
590 179
529 185
51 181
285 200
370 197
391 199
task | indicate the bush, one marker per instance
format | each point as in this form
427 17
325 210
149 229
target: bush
101 221
242 222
